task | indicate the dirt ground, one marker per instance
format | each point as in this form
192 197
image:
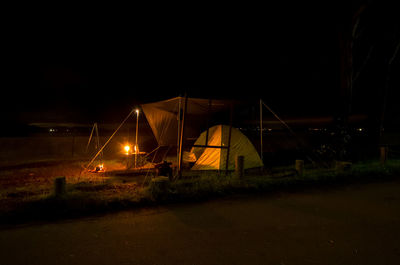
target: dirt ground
35 180
357 224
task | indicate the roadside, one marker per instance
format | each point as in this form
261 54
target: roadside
351 224
28 195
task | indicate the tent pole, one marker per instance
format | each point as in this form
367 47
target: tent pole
109 139
136 136
181 136
208 119
287 126
90 138
178 131
276 116
98 141
229 139
261 131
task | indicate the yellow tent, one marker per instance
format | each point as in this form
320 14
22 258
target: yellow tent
214 158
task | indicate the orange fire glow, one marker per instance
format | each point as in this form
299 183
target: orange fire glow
127 148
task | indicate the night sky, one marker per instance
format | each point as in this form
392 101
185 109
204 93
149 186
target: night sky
97 66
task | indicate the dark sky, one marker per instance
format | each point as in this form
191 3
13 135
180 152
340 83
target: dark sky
97 66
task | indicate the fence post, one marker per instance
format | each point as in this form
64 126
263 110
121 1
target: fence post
239 166
299 166
59 186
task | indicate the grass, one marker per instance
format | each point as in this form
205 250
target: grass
211 186
27 194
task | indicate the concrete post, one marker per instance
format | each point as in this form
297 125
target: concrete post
299 166
239 166
59 186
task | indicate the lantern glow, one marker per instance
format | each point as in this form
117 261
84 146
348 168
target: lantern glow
127 149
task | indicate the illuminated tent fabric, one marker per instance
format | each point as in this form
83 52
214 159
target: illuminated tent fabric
163 117
215 158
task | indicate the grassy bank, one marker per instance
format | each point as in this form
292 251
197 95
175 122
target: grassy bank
209 186
29 196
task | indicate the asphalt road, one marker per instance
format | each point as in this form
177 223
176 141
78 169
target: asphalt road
358 224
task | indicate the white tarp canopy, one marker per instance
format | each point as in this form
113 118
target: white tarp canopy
163 117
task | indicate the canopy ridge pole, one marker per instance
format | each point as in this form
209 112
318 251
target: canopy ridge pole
229 138
181 136
261 131
109 139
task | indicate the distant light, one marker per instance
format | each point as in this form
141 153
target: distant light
360 129
137 111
